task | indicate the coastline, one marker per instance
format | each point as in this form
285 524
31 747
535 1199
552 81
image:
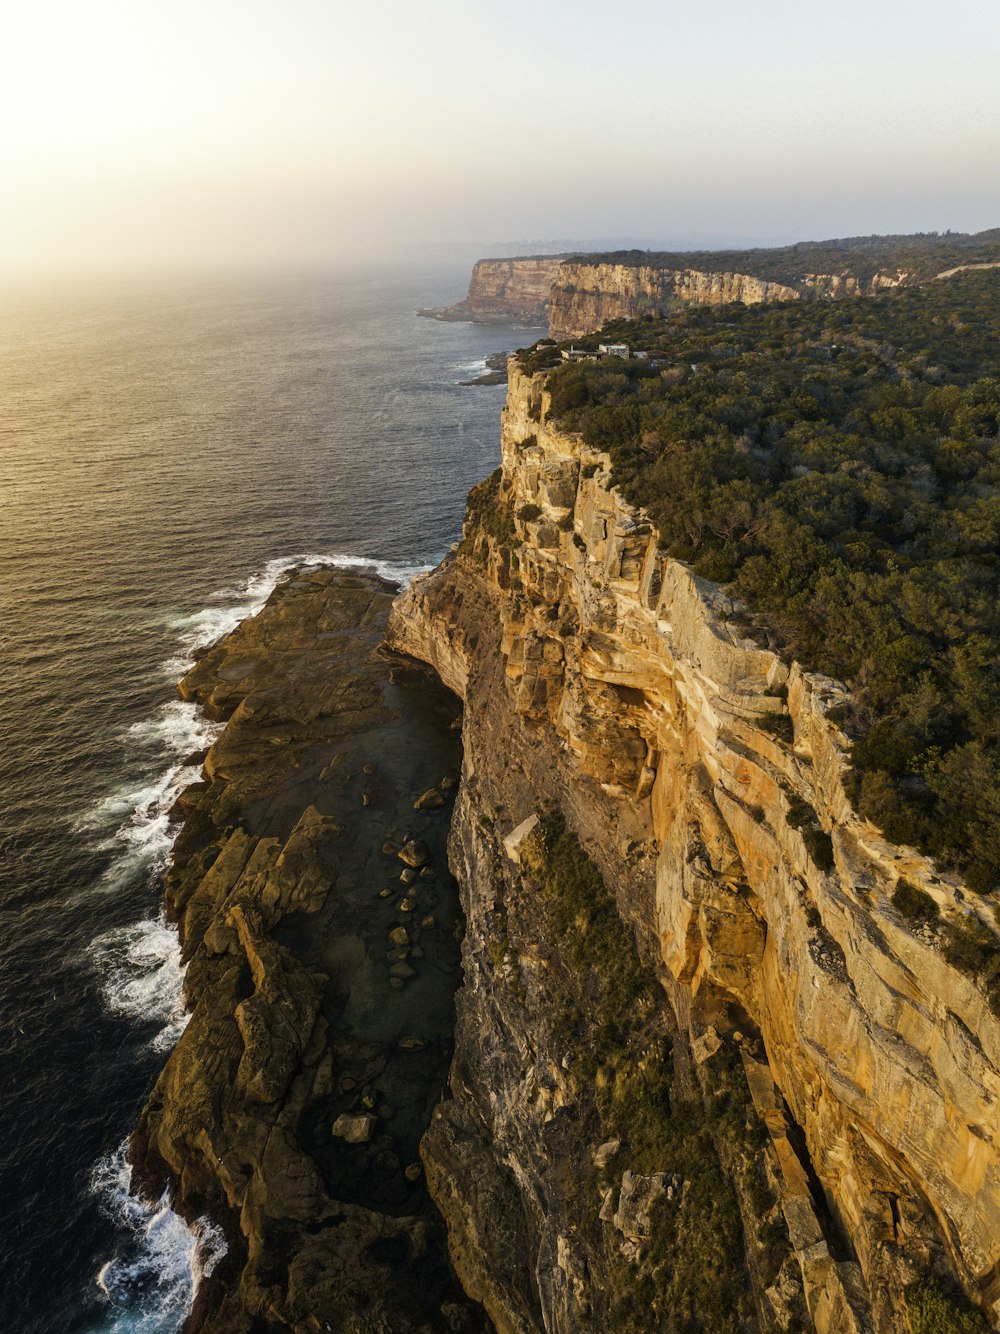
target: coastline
291 1108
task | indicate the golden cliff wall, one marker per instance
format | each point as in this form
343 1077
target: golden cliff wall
577 299
687 755
585 297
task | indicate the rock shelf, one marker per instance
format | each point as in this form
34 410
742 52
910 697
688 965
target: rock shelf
292 1108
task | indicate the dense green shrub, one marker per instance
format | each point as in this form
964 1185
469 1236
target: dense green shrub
838 464
971 946
936 1308
912 902
529 512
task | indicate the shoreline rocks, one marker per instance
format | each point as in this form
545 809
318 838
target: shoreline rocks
294 1099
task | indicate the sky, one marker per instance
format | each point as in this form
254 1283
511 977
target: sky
288 132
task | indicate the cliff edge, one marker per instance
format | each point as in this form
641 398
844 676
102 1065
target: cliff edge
626 742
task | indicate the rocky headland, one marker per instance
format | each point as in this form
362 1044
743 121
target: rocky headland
320 931
702 1071
705 1069
505 291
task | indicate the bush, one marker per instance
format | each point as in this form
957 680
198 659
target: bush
489 517
819 844
934 1307
973 948
914 903
529 512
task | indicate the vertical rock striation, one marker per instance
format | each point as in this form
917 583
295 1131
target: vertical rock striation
585 297
704 777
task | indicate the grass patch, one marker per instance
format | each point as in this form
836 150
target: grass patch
489 520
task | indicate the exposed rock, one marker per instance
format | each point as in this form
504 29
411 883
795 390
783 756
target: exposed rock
605 1152
431 800
354 1129
504 290
415 853
632 1217
240 1119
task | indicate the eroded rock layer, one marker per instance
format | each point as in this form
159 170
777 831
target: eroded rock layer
703 776
320 934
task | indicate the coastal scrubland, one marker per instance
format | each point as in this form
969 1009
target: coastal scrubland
838 466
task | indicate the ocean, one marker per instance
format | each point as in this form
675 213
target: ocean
166 452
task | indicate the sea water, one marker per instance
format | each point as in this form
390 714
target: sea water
166 453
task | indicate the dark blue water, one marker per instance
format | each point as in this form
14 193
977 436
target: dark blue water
164 454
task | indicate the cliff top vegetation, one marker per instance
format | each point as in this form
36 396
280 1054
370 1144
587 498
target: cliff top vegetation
921 256
838 465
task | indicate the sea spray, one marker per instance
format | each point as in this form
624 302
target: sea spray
153 1278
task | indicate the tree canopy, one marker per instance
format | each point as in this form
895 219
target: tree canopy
837 464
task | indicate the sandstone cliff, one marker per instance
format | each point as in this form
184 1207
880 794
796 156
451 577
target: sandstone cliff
585 297
576 298
505 290
703 776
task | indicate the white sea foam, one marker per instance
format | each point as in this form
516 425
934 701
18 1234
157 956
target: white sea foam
134 820
142 976
478 367
229 606
152 1281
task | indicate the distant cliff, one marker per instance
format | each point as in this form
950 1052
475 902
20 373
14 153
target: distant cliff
585 296
505 290
579 294
576 297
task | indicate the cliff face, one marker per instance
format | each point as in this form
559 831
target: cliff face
585 297
704 777
577 299
505 290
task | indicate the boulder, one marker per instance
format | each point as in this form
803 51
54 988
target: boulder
415 853
354 1129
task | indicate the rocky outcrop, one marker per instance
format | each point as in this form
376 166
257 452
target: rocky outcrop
704 776
504 291
319 981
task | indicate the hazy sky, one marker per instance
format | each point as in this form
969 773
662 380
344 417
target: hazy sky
268 130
